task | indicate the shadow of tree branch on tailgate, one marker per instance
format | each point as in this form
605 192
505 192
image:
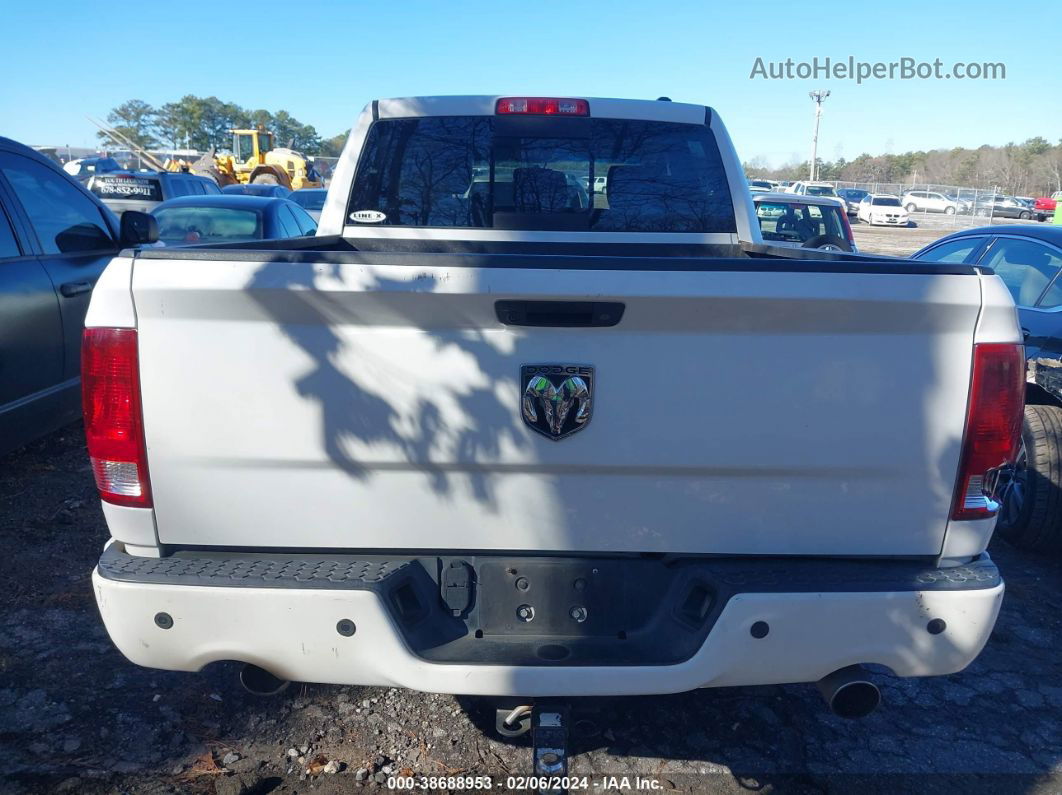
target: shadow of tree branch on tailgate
294 296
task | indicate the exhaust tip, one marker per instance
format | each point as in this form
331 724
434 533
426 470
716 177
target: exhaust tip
260 682
856 700
849 693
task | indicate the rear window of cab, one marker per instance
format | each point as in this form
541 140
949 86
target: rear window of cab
601 175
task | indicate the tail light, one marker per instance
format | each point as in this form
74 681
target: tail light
543 106
114 420
993 426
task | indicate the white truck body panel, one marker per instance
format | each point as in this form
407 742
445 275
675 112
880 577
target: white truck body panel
297 401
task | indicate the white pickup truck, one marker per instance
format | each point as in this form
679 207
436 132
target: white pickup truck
493 433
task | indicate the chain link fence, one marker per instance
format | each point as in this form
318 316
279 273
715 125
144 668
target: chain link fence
950 205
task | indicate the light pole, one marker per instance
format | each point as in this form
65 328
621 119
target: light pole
818 97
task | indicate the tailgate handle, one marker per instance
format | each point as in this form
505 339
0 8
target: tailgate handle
559 314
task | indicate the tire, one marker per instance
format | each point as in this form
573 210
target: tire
1031 516
911 207
828 242
265 179
1024 216
949 211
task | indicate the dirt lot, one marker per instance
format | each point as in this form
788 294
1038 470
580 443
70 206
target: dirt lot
903 241
75 716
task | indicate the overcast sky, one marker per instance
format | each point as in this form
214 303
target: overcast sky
322 61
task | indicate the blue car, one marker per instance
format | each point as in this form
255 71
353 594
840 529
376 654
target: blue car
1029 260
311 200
224 218
258 189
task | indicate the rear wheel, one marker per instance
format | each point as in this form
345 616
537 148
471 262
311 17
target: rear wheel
1031 516
828 243
949 210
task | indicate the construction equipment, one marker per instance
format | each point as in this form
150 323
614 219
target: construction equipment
144 155
254 159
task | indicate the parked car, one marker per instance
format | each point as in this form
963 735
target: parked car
760 185
851 198
312 200
803 221
55 240
927 201
812 189
258 189
144 190
230 219
382 455
1029 260
86 167
1004 207
1044 207
882 208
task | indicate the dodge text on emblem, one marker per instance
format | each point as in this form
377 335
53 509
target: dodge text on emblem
556 397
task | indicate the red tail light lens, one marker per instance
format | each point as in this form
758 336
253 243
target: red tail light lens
114 423
993 425
543 106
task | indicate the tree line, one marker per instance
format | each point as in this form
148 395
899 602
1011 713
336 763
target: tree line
203 123
1032 168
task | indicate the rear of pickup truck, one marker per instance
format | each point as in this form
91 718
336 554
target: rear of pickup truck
544 471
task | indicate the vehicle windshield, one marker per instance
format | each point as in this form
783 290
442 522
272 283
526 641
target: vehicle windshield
885 201
536 173
759 183
793 222
819 190
853 194
190 225
309 199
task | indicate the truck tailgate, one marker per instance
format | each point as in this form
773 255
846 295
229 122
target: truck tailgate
374 402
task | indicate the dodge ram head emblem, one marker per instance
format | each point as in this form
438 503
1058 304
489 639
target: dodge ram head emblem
556 398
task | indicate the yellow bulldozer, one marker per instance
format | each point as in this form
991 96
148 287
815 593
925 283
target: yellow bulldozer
255 159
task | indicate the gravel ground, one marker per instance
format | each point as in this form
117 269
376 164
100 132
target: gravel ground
904 241
75 716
